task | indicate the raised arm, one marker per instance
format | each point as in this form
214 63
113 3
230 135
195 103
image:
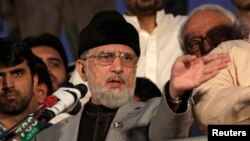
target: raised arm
188 72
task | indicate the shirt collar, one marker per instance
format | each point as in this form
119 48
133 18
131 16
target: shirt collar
96 108
134 20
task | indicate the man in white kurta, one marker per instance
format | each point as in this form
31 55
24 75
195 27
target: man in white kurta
160 48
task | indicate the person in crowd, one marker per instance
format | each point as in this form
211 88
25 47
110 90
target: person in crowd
43 76
50 49
145 89
175 7
158 34
242 15
24 83
228 82
224 99
200 35
58 17
108 52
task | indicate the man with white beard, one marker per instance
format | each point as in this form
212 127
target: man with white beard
108 53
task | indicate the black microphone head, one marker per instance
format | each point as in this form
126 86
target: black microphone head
76 109
46 116
82 88
67 84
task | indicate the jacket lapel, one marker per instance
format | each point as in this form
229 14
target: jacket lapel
122 120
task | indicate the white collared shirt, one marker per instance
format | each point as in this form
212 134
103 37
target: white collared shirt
160 48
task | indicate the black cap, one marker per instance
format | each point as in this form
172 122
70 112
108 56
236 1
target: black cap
108 27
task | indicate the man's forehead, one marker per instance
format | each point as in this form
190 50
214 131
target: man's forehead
197 23
113 48
22 65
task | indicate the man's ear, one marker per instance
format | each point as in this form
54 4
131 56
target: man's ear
41 92
80 68
35 83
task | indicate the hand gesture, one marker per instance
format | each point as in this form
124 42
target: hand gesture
190 71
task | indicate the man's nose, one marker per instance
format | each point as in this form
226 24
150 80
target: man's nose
117 65
8 83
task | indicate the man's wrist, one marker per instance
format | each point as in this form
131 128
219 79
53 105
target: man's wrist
174 102
179 105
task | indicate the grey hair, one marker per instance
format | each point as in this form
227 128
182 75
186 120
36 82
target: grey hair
84 55
214 7
206 7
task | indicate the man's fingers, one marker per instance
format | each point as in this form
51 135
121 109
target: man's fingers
215 66
211 57
188 58
216 63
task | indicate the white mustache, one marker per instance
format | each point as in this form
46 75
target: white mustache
116 77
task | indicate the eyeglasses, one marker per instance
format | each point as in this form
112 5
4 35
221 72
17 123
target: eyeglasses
213 37
195 44
106 58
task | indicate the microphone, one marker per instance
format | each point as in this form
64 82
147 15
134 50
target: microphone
25 131
68 101
65 99
29 126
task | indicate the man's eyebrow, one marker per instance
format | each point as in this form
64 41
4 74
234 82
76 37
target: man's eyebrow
17 69
55 59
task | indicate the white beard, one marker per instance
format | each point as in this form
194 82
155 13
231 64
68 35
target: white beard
111 98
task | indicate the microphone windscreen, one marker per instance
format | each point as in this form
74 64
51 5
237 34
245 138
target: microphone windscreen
76 109
67 84
82 88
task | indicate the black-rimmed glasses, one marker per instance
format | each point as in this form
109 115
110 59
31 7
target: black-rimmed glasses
195 44
213 38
